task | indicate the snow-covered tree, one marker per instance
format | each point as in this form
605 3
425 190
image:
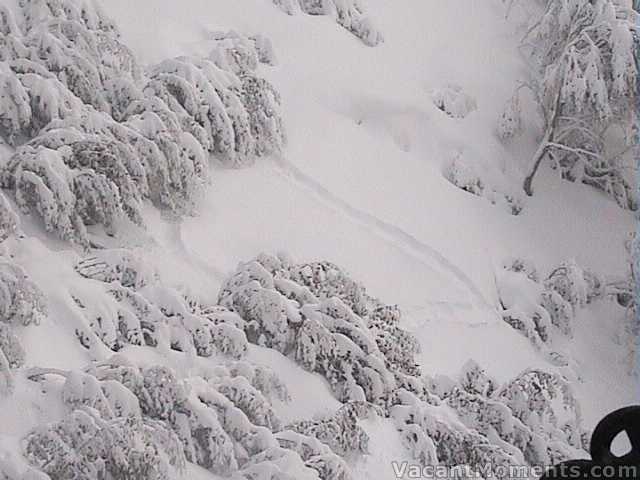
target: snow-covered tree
584 52
138 308
538 308
307 311
21 301
350 14
8 218
340 431
75 102
85 446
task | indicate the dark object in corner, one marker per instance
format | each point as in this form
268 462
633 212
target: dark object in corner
604 464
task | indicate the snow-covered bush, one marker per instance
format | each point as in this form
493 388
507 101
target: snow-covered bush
218 421
8 218
436 437
537 308
21 301
315 455
96 136
85 446
138 309
510 121
462 173
263 379
575 285
341 430
453 101
234 117
585 86
307 311
349 14
545 403
11 347
533 419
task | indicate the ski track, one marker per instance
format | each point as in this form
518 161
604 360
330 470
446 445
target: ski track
390 233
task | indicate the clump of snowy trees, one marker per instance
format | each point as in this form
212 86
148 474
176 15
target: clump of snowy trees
533 419
125 421
96 136
543 308
464 174
349 14
308 312
137 308
585 85
21 304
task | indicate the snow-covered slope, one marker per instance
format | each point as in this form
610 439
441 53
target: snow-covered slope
361 183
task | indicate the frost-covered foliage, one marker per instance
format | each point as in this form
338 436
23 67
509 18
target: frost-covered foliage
138 309
510 121
96 136
453 101
8 218
350 14
341 430
307 312
85 446
144 423
533 419
21 303
540 308
583 50
461 172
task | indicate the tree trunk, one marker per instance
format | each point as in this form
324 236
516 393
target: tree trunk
535 162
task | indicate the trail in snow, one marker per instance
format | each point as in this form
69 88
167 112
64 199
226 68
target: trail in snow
188 256
392 234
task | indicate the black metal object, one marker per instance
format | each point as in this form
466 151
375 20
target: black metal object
604 464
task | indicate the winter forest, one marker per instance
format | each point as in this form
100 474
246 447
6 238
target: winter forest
314 239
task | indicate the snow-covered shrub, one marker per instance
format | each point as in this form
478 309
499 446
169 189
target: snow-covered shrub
103 136
341 430
510 121
453 101
233 116
11 347
327 280
8 218
222 423
521 265
307 311
575 285
586 80
349 14
263 379
462 173
240 54
435 437
117 265
475 380
533 419
546 404
316 455
533 306
21 301
137 308
85 446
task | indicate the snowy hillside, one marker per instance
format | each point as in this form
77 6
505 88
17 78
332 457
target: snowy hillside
274 239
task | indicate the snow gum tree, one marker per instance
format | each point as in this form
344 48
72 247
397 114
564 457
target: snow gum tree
583 51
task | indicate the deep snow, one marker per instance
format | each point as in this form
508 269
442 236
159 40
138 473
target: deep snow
361 184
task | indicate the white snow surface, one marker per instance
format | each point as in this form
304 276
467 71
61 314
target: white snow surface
360 184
